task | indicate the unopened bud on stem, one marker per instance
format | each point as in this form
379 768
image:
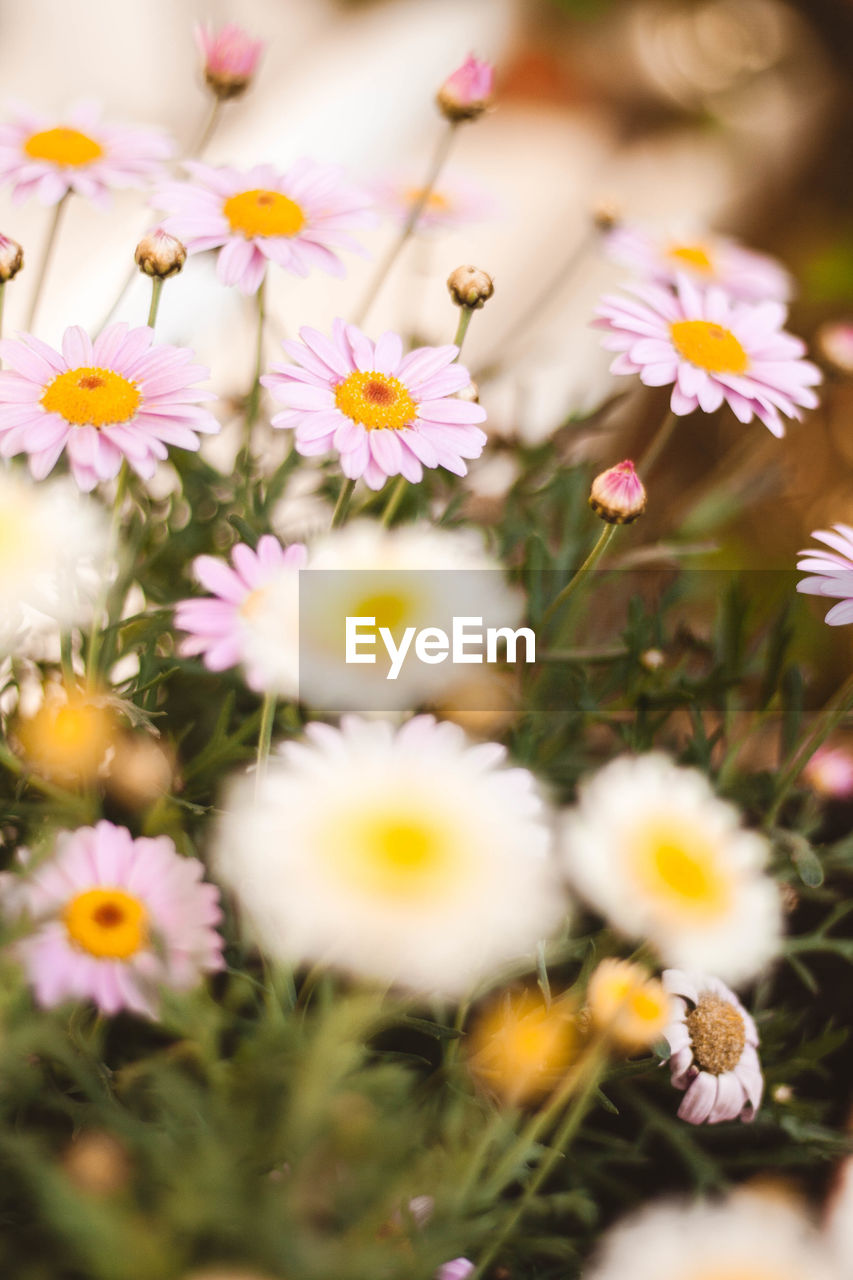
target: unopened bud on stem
470 287
11 258
617 495
467 93
160 255
231 59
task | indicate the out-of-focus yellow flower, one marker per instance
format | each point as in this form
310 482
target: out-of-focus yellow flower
627 1005
141 771
68 738
521 1047
97 1163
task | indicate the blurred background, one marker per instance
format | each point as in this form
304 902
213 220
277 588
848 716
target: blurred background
734 114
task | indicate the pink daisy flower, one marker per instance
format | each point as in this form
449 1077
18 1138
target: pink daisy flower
47 158
833 570
454 202
299 219
117 397
706 259
220 628
230 56
385 413
713 1043
115 919
712 349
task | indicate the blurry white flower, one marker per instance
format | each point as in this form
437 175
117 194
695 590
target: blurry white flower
652 848
405 855
53 547
747 1237
840 1219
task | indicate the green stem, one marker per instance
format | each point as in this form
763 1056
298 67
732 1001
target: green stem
591 1069
832 715
394 500
465 314
253 404
156 290
265 736
339 514
437 163
208 128
572 586
49 247
101 606
657 445
15 766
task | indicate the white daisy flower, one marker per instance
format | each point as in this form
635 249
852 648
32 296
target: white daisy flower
747 1237
651 847
53 548
408 855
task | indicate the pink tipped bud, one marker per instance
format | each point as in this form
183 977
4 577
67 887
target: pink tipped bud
231 59
470 287
458 1269
834 342
159 254
468 91
830 773
617 495
11 258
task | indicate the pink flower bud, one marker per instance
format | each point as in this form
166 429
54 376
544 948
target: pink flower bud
11 258
468 91
159 254
458 1269
834 342
617 495
230 58
830 773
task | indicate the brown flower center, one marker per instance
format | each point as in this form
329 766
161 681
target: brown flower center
717 1034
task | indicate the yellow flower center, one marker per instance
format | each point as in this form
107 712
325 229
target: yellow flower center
63 146
709 346
92 396
252 603
263 213
695 256
717 1034
108 923
389 608
376 400
402 855
435 200
681 869
68 741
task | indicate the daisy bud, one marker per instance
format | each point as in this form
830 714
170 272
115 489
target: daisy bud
470 287
617 495
606 217
467 93
230 59
829 772
458 1269
629 1006
471 393
159 254
97 1163
11 258
834 342
653 659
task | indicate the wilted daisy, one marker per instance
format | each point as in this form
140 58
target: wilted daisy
706 259
407 855
712 349
833 570
53 549
116 918
406 579
746 1237
384 413
713 1043
452 202
652 848
299 220
117 397
219 627
48 157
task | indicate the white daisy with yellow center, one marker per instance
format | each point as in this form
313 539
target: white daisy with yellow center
407 856
652 848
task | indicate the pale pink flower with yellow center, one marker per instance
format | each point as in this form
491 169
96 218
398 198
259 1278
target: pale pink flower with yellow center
230 56
300 220
467 92
453 202
116 918
706 258
712 350
220 628
713 1043
833 570
386 414
45 157
829 772
117 397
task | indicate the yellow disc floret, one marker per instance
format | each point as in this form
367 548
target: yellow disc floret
709 346
108 923
717 1034
681 869
63 146
695 256
376 400
90 396
263 213
399 851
